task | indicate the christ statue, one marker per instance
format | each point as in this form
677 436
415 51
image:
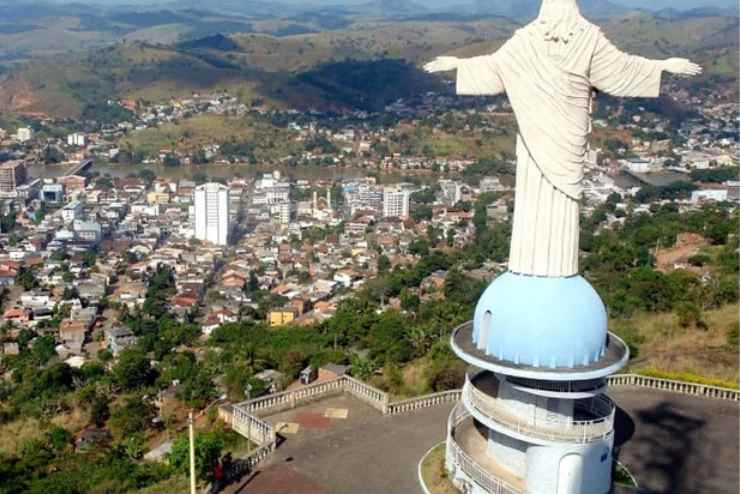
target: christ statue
549 70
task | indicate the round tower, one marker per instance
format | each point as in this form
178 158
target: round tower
534 417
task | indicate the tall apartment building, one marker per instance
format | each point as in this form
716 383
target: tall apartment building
211 211
12 174
396 202
364 197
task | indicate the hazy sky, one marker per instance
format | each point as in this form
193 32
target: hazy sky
434 4
650 4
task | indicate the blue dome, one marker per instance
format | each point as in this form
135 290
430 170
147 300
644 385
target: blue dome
541 322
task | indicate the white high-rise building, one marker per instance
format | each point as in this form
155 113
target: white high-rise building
396 203
212 213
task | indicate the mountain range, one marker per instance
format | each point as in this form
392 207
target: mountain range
517 9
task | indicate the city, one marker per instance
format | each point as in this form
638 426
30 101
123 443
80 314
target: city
216 254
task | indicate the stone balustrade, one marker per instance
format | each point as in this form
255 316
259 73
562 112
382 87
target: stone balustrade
254 429
457 458
688 388
427 401
364 392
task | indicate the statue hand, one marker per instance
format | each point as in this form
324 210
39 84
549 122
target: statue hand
442 64
682 66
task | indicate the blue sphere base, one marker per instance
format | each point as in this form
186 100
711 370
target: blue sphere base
541 322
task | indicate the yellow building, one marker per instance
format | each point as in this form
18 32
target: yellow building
280 317
158 198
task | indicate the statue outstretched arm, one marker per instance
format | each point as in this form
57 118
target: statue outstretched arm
624 75
477 76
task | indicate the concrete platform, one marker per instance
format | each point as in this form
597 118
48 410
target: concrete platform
678 444
674 444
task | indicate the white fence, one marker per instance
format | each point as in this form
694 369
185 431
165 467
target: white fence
682 387
257 431
433 400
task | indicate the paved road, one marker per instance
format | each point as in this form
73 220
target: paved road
674 444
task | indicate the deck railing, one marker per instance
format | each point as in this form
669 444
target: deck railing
592 386
253 428
456 457
550 429
673 386
421 402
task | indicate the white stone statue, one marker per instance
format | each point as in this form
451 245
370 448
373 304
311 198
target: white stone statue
549 69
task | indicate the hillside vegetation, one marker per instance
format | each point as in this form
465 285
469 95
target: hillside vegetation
666 348
329 69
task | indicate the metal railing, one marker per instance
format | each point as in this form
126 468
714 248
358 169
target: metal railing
591 386
562 429
456 457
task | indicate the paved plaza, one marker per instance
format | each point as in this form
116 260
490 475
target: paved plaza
673 443
678 444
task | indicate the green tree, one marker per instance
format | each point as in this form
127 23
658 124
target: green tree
133 370
131 416
690 315
208 447
171 161
26 278
384 264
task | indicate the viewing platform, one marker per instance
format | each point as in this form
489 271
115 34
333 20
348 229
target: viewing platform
593 418
466 450
614 358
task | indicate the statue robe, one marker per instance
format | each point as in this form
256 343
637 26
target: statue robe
549 85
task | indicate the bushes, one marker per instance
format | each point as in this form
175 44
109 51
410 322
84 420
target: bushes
446 374
133 415
631 337
133 370
690 315
733 335
208 447
688 377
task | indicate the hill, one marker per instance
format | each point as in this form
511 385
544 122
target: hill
528 9
319 69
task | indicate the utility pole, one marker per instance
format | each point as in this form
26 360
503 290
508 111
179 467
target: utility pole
191 431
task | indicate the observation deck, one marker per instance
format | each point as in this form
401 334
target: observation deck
593 418
614 358
466 452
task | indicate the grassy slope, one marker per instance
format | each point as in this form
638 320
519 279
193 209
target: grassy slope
711 41
413 41
434 474
672 350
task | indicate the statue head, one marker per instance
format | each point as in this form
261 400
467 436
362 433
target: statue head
558 10
559 20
